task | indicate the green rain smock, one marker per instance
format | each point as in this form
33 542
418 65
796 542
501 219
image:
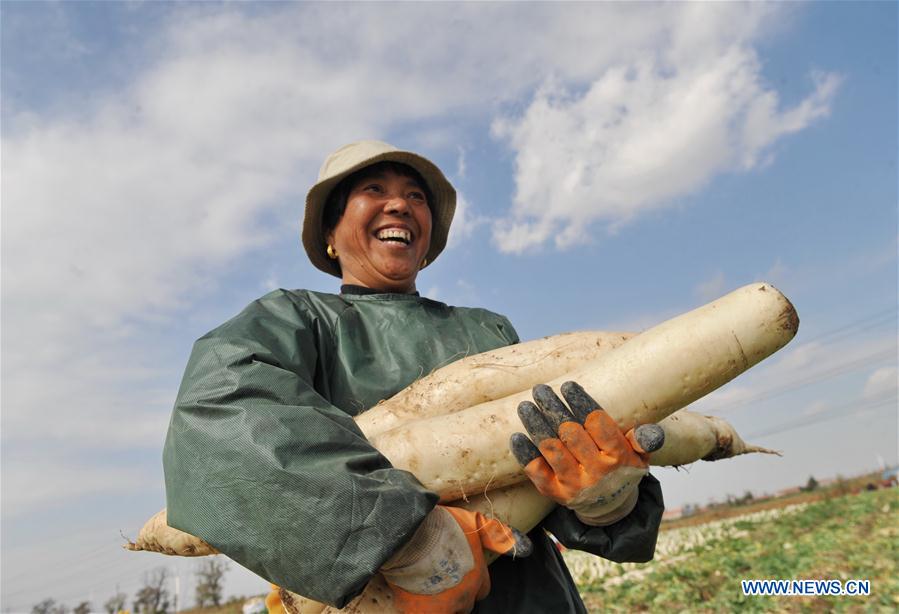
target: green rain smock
264 461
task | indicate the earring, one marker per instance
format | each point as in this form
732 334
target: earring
424 263
332 253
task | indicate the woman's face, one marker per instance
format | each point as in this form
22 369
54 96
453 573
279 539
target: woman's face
384 233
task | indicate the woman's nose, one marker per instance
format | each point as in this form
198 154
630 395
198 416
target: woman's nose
397 204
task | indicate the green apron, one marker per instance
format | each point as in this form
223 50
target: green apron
264 461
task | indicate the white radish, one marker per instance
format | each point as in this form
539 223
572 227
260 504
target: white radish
157 536
488 376
689 437
695 436
646 379
482 377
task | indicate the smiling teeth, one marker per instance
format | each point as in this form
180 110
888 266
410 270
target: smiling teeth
395 233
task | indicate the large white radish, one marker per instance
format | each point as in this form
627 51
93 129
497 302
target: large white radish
689 437
488 376
157 536
646 379
698 437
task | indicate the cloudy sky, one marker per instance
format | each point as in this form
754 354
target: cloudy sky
617 165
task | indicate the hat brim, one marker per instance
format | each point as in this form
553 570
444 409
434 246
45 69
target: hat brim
442 209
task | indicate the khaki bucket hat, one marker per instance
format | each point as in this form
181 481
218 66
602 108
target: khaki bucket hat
356 156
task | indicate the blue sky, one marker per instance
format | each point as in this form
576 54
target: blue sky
617 165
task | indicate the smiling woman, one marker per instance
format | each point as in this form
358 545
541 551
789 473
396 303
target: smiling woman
383 230
265 463
365 189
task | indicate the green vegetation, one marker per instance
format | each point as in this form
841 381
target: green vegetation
841 531
699 565
842 537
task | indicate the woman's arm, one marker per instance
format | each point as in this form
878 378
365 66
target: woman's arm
266 470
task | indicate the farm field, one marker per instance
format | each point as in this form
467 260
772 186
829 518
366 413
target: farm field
698 568
699 562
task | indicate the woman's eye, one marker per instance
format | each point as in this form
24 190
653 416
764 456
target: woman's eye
374 187
417 195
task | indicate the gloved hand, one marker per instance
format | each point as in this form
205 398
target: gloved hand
273 601
442 568
582 460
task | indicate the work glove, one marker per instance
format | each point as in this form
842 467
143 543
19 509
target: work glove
442 568
273 603
582 460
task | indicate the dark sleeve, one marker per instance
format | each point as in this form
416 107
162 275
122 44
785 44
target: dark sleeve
509 331
262 467
630 540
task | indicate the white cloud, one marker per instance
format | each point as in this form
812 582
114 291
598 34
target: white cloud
764 124
465 222
460 163
641 134
118 210
825 356
803 370
167 180
803 355
722 399
270 283
816 408
115 217
881 382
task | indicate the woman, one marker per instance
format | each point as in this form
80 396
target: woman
264 461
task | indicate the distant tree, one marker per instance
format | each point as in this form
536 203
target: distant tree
49 606
115 604
44 607
841 487
153 597
82 608
811 485
209 582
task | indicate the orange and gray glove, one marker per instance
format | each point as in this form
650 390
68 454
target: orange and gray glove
582 460
442 568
